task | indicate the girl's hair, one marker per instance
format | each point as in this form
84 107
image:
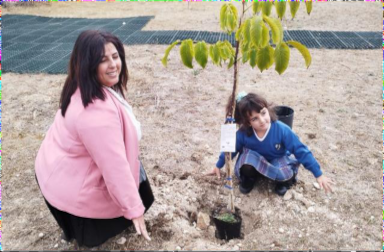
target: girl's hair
83 64
244 107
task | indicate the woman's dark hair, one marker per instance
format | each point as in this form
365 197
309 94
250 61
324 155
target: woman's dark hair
85 59
250 102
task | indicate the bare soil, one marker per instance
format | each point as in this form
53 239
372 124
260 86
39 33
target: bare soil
337 104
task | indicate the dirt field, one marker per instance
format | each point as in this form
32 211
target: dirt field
337 104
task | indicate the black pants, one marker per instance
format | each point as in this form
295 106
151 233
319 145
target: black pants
94 232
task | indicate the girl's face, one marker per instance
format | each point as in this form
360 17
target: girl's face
260 121
109 68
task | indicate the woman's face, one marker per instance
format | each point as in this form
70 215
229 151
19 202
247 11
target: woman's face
109 68
260 121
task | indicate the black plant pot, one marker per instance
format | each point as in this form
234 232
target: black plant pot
285 115
226 230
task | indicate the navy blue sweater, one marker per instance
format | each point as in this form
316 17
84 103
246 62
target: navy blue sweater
280 141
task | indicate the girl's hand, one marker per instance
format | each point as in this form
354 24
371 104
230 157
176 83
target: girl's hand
325 183
215 171
140 227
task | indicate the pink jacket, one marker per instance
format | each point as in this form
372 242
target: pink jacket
88 162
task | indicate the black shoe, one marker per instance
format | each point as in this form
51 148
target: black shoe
282 187
246 184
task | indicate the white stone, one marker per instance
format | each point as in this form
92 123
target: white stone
41 235
281 230
178 248
272 245
121 240
56 245
235 247
288 195
63 241
316 185
203 220
123 23
300 235
311 209
333 147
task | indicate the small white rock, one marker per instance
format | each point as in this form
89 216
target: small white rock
269 190
316 185
121 240
300 236
56 245
288 195
272 245
41 235
311 209
123 23
372 217
281 230
178 248
235 247
63 241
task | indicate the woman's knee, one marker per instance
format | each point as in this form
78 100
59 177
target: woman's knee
248 170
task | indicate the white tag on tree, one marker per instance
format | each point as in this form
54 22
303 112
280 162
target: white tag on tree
228 138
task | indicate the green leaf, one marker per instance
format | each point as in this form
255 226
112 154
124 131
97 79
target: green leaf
225 51
223 16
271 52
252 57
308 6
230 47
244 51
256 7
231 24
281 7
276 32
267 7
282 55
303 50
264 58
231 61
201 53
186 52
239 32
265 37
167 51
256 30
280 27
247 31
214 52
232 17
294 6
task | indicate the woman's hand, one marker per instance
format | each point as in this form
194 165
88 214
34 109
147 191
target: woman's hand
325 183
140 227
215 171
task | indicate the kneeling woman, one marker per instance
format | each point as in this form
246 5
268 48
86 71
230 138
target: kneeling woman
88 166
265 146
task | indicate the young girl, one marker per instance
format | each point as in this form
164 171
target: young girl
265 146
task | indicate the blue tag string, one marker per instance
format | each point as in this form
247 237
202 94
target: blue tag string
229 178
229 119
228 187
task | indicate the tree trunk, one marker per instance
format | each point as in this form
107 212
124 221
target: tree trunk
228 157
